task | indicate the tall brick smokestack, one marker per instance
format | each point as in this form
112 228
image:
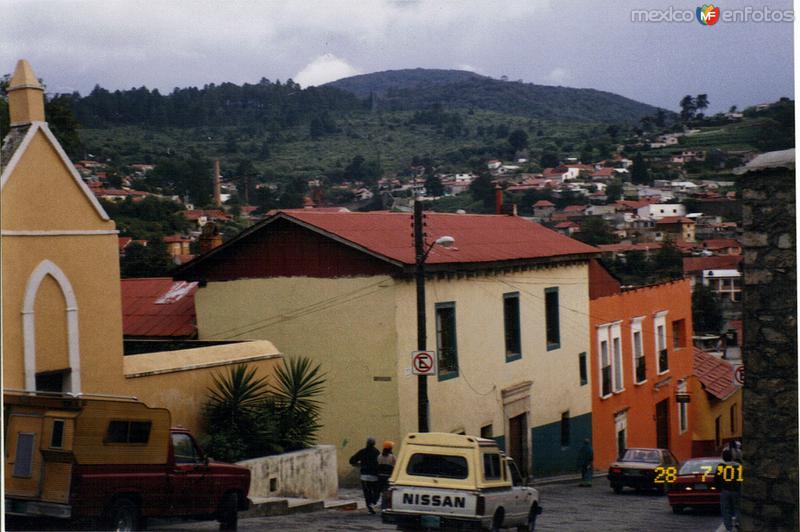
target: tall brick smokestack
217 185
498 199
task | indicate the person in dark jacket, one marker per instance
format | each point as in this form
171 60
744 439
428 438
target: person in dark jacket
585 460
728 480
386 463
367 460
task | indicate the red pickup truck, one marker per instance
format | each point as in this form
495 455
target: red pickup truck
111 459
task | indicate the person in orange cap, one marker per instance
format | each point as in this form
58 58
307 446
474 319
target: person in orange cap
386 462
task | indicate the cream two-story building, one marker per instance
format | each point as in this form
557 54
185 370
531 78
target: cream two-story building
507 314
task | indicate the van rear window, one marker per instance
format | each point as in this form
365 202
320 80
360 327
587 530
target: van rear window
437 465
128 432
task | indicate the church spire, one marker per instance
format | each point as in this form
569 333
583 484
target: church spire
25 96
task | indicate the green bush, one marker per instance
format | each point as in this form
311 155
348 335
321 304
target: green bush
244 417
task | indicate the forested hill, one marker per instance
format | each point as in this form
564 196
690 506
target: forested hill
265 103
421 88
379 83
273 105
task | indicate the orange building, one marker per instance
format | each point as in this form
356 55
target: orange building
641 360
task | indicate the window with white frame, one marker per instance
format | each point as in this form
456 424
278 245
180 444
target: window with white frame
616 351
605 361
662 354
639 361
683 414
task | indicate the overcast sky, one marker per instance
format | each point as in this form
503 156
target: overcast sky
162 44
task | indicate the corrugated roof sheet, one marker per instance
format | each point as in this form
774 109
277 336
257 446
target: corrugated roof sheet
772 159
158 307
478 237
716 375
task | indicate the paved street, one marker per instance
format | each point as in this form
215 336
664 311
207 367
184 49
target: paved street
566 507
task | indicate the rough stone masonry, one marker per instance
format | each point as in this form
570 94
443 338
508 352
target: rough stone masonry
770 440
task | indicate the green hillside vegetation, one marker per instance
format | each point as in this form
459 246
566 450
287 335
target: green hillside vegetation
420 89
392 138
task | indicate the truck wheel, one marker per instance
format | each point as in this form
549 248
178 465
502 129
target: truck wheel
497 521
617 488
229 512
531 525
123 516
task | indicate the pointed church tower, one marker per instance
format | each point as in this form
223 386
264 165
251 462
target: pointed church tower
25 96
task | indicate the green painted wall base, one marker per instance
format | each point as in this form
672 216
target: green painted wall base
549 457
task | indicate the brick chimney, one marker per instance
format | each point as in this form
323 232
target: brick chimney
25 96
498 199
217 185
209 238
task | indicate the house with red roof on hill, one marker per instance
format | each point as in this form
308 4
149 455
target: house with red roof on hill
507 316
676 227
542 210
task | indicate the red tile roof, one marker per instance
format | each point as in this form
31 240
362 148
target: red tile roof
719 243
716 375
543 203
158 307
478 237
622 248
566 225
717 262
575 208
123 241
675 220
604 172
634 205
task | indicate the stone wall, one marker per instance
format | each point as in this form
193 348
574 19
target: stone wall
310 473
770 440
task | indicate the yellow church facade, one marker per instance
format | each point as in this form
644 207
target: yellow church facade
61 293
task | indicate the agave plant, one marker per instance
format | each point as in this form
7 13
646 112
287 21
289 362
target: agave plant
295 401
235 398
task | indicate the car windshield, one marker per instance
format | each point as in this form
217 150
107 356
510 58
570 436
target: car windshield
699 467
641 455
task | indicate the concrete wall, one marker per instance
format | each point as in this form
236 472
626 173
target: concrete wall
180 380
549 456
345 324
310 473
480 394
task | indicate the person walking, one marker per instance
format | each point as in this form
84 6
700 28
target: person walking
367 460
585 461
386 462
728 481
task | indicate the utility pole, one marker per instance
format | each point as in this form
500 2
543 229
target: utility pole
422 336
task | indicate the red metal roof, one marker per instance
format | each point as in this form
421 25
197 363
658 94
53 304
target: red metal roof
715 374
717 262
158 307
478 237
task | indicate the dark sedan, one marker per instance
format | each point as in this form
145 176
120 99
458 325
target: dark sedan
694 485
643 469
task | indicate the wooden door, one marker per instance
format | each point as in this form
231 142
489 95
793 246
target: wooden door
518 442
662 424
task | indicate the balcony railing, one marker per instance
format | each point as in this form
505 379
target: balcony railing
641 369
606 381
663 361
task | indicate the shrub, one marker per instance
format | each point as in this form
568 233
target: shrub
245 417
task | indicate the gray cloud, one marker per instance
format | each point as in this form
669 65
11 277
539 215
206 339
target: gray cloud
125 43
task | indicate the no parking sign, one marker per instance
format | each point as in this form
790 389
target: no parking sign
423 362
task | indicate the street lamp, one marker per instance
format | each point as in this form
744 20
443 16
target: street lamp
421 255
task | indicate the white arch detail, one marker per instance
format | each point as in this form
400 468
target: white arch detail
44 269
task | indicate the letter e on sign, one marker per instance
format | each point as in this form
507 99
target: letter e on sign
738 376
423 362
